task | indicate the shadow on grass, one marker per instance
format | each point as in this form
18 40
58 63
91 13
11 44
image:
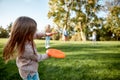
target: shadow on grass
82 62
96 56
85 47
8 71
111 60
86 62
73 67
76 69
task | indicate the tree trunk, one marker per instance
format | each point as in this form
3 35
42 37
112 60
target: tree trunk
82 34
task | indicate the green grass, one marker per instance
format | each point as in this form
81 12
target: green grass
83 61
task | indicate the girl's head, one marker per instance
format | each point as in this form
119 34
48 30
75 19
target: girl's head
22 30
24 27
47 28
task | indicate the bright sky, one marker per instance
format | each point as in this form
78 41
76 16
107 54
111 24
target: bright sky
36 9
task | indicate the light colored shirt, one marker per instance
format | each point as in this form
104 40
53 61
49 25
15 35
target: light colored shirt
28 62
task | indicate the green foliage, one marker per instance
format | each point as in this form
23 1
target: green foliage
111 29
55 36
9 27
3 33
84 61
70 13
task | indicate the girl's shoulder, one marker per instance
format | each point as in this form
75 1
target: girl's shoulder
28 44
29 49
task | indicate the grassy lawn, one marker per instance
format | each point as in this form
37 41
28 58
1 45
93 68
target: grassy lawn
84 61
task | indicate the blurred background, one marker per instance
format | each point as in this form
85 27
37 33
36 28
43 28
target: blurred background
82 19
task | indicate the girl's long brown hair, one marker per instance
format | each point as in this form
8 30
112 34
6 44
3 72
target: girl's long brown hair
22 30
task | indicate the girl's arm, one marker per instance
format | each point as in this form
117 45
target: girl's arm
42 57
39 35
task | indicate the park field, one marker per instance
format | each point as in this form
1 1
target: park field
83 61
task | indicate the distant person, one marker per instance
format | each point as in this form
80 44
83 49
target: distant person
65 34
48 30
47 38
94 36
21 41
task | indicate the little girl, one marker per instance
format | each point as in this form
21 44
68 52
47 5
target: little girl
65 34
21 40
47 38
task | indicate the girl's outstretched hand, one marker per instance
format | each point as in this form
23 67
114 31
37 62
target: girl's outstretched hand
48 53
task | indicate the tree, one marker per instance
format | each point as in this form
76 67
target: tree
3 32
9 27
57 12
74 13
112 26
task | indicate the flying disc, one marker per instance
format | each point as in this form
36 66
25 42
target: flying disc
56 53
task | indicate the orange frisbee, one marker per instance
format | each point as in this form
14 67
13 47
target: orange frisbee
56 53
